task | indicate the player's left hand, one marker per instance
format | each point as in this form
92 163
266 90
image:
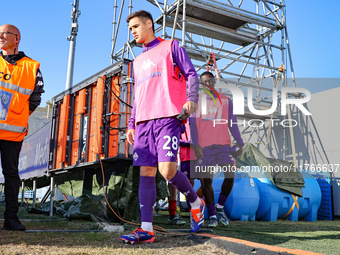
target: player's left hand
190 107
198 152
239 152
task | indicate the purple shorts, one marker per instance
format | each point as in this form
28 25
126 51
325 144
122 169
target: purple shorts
216 154
156 141
185 168
212 155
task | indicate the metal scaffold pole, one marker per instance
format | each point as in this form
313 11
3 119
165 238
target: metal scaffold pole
51 194
116 29
72 38
248 39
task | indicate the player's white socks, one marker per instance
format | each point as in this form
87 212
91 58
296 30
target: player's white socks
196 204
147 226
218 206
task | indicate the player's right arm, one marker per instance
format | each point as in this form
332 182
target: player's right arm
130 135
187 69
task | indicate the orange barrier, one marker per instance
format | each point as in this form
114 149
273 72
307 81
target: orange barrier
79 110
62 134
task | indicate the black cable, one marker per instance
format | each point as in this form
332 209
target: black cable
111 128
121 188
116 95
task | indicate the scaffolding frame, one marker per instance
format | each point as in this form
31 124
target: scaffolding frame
249 40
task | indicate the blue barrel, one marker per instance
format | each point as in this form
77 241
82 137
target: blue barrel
243 200
310 201
276 204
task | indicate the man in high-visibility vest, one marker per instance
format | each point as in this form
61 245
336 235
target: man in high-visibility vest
21 86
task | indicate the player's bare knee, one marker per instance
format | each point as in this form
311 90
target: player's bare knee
148 171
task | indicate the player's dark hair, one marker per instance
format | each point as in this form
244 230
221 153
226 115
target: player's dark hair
143 16
207 73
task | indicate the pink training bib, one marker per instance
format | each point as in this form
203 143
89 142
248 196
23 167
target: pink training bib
208 133
159 92
186 153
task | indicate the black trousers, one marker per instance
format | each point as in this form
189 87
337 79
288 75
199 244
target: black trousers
9 161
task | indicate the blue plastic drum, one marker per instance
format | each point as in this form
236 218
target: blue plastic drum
277 204
242 202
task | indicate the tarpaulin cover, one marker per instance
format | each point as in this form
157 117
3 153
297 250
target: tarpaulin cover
85 207
289 180
121 191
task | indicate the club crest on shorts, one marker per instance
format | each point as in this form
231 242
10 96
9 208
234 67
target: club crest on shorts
135 156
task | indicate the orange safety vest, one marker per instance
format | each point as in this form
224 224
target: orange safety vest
17 83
